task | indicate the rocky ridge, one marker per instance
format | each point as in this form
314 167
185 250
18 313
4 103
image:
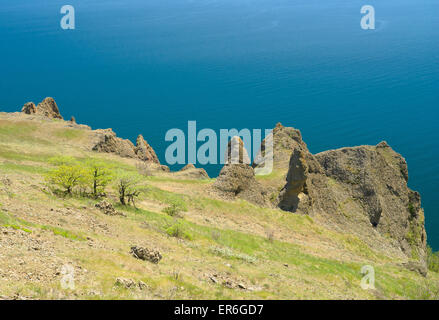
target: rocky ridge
361 190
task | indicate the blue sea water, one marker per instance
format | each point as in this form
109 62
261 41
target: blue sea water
145 66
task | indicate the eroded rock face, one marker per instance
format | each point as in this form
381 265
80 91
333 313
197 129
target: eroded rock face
105 140
376 177
47 108
108 142
144 151
284 141
238 180
236 152
29 108
361 190
191 172
295 191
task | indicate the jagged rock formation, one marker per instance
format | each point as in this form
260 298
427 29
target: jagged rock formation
284 140
362 190
187 167
29 108
144 151
237 178
47 108
103 140
106 141
376 178
191 172
236 152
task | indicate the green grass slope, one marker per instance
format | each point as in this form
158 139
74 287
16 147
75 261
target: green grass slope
216 249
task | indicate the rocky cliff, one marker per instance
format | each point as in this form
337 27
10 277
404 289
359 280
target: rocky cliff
47 108
362 190
227 238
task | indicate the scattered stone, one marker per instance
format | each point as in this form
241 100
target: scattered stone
126 283
108 209
72 119
142 285
146 254
6 181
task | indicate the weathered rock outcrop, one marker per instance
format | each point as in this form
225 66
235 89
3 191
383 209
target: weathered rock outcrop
237 178
146 254
362 190
191 172
105 140
284 140
236 152
144 151
108 142
376 178
29 108
47 108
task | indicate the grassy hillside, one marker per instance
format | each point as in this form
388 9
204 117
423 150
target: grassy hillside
216 250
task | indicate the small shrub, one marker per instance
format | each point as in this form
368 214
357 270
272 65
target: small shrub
216 235
99 175
432 260
176 275
270 234
230 254
143 169
174 210
412 210
128 188
66 177
178 231
428 290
